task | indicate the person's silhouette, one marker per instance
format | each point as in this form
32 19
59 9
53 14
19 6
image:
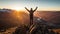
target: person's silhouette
31 11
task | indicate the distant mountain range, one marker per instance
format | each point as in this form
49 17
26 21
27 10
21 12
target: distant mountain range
11 18
50 16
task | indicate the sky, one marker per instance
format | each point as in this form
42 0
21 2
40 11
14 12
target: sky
41 4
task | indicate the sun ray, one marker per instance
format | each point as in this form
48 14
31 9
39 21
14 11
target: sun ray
17 8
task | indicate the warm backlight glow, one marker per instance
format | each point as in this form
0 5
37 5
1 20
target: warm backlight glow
17 8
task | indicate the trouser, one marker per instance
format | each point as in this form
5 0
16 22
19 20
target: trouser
31 19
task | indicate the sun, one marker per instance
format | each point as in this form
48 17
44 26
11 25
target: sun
17 8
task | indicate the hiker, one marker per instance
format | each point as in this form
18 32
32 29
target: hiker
31 11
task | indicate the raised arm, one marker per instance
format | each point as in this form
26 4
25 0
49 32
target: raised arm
35 9
26 9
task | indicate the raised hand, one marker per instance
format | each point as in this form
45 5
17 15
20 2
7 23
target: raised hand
35 9
26 9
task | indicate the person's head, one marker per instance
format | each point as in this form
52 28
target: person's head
31 9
